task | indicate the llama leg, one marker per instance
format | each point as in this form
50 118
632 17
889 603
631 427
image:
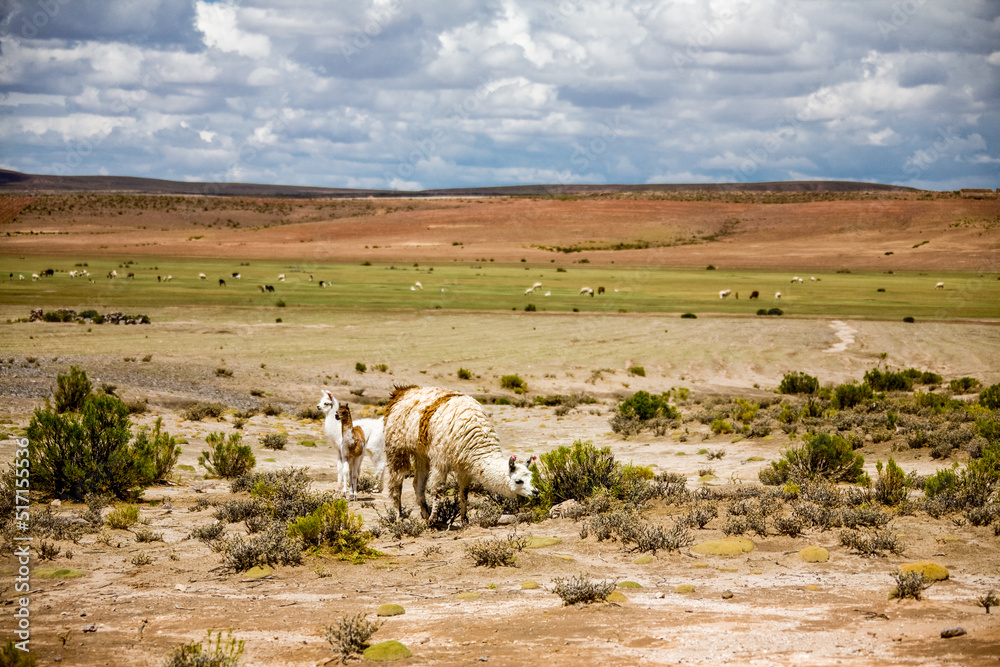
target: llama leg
355 474
463 497
399 468
420 471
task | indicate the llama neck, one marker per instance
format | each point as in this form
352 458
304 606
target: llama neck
347 424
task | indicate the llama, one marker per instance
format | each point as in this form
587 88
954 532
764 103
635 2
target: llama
433 431
600 290
724 294
939 286
222 283
754 294
281 277
777 295
586 290
374 436
352 450
202 276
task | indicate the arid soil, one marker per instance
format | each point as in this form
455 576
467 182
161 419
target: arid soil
881 232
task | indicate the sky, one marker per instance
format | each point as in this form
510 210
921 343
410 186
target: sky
418 94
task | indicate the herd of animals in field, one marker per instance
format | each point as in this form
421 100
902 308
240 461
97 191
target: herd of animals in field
426 432
585 291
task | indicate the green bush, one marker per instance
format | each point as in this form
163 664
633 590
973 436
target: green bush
333 526
798 383
123 517
200 411
890 485
721 427
360 367
464 374
689 316
274 440
909 320
576 473
637 370
990 397
888 380
775 311
850 394
229 457
11 656
530 308
645 406
943 482
762 311
514 383
827 456
964 385
73 455
159 448
72 390
922 377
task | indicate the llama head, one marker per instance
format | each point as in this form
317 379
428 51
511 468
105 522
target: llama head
344 413
327 403
520 475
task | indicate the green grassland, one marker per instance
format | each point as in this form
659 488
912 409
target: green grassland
481 287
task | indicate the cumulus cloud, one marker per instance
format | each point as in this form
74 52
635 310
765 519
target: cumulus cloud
412 93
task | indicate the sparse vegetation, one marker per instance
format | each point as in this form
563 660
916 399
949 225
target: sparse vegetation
228 456
582 589
224 653
351 635
514 383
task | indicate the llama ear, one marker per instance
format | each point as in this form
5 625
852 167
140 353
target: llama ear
513 458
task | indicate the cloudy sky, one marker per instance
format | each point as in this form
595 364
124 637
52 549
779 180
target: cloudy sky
426 94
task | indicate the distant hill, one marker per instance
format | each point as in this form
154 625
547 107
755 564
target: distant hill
13 181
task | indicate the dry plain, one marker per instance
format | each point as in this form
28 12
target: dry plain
782 610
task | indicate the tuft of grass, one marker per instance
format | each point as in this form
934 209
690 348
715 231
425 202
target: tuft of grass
274 440
909 585
223 654
496 552
123 517
464 374
513 382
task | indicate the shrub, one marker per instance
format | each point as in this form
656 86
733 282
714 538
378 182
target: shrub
351 634
360 367
990 397
72 390
123 517
775 311
73 455
721 426
223 372
909 319
581 589
964 385
798 383
575 473
909 585
200 411
828 456
496 552
271 547
310 412
850 394
890 486
943 482
872 543
530 308
11 656
990 599
464 374
514 383
159 449
888 380
637 370
640 410
689 316
333 526
229 457
399 525
223 654
274 440
271 410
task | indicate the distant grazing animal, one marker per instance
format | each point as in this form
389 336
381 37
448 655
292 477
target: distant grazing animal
586 290
529 290
130 276
813 279
237 275
35 276
796 279
48 272
203 276
755 294
419 286
168 279
281 277
432 431
352 451
269 288
159 279
310 277
548 294
777 295
261 288
222 283
939 286
374 436
322 283
724 294
112 274
20 276
600 290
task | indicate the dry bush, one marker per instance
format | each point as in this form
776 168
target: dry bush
909 585
580 589
872 543
496 552
351 634
397 525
